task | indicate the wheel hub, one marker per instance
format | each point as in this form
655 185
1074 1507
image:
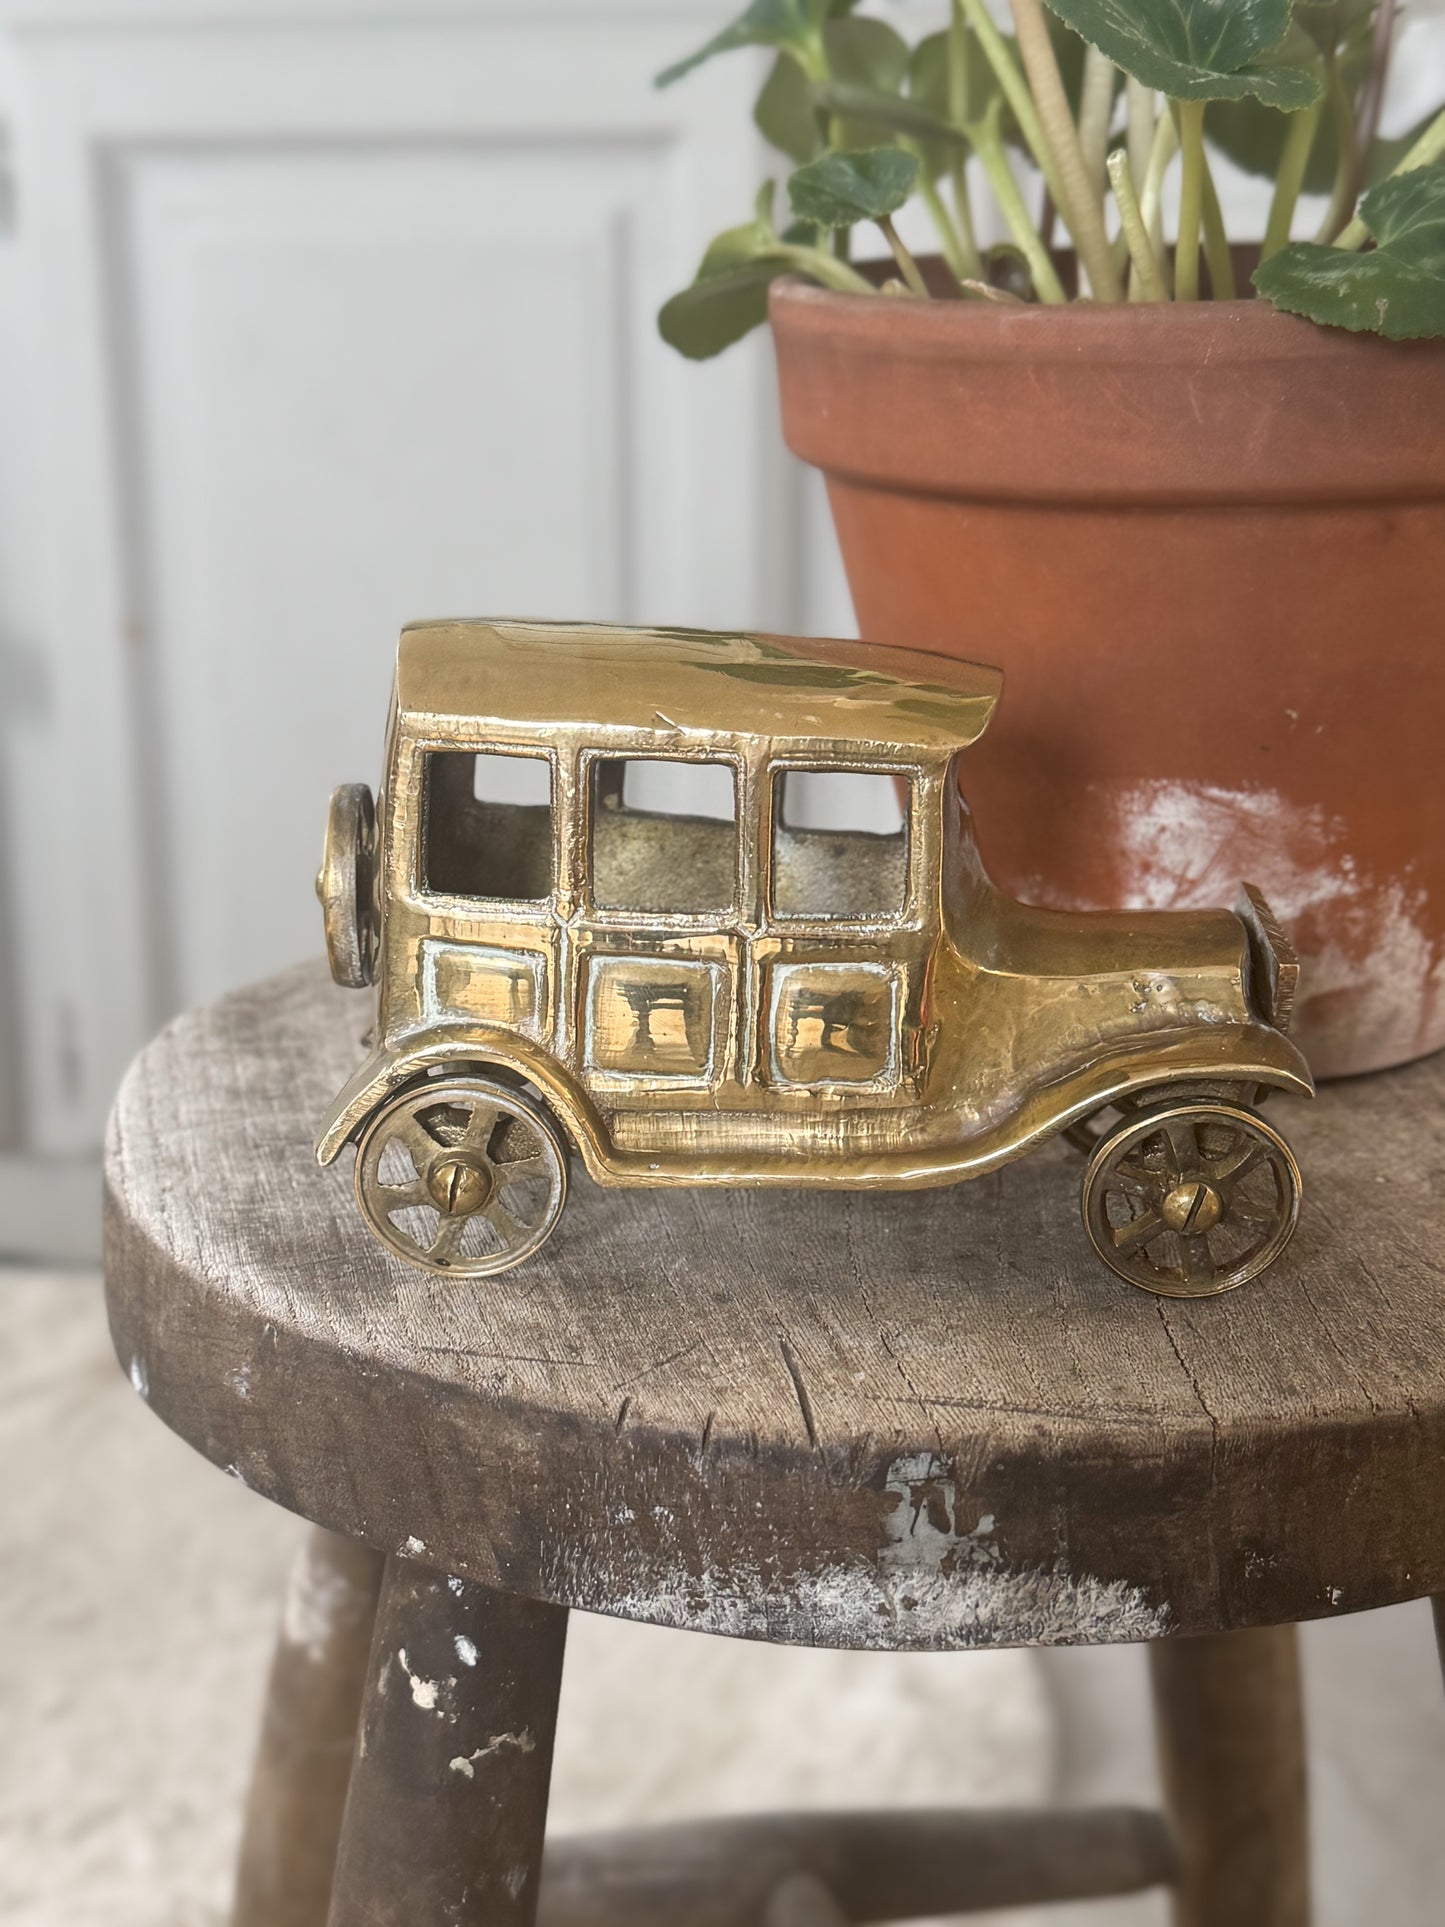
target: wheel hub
458 1185
1192 1207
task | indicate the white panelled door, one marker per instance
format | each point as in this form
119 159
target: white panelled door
333 315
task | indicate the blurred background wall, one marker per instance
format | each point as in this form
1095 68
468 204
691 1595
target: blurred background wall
316 316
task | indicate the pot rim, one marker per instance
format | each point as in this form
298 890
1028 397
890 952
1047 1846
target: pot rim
1229 404
1159 331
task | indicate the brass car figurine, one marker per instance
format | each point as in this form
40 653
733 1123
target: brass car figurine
707 909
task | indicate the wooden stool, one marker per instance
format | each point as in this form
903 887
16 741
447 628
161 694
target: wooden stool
917 1421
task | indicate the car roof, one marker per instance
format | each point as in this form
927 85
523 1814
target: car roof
544 675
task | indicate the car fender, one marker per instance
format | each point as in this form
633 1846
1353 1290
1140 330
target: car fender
413 1055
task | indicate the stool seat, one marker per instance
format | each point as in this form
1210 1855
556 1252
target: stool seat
906 1420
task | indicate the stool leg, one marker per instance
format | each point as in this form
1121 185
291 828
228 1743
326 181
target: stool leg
308 1734
448 1797
1231 1748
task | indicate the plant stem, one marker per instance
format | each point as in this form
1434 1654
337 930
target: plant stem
958 64
1015 89
958 51
1298 143
1191 199
1216 241
1096 110
1371 97
826 268
962 264
1151 199
1429 147
988 145
1342 195
1146 278
963 212
1081 207
1139 101
907 266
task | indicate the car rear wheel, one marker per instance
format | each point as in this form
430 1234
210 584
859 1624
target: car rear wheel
1191 1198
463 1175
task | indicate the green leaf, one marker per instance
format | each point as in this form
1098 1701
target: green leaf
791 24
783 113
1198 49
714 313
1397 289
866 184
866 53
928 77
861 53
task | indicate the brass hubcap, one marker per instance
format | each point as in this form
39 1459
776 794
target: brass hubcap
459 1185
1192 1207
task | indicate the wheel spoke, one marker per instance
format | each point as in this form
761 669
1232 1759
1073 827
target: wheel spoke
480 1126
1241 1161
1199 1266
419 1142
1252 1211
1128 1237
534 1165
1134 1182
1181 1145
512 1229
447 1241
396 1197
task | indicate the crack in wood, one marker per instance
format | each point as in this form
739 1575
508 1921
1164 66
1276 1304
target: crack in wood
800 1390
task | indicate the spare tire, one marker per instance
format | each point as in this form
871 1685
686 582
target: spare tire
346 885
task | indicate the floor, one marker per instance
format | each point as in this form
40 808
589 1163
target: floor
138 1594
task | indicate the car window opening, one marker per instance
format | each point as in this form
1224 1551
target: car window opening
487 826
664 835
840 843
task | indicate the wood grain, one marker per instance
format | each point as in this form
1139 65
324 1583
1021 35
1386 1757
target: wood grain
927 1420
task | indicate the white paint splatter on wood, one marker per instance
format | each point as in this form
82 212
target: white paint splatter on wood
466 1651
932 1586
424 1692
413 1548
466 1764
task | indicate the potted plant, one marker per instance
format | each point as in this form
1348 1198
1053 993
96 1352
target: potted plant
1189 494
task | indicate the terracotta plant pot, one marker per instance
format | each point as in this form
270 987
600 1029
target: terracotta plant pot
1206 544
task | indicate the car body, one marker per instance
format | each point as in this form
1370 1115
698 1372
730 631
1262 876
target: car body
695 1000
